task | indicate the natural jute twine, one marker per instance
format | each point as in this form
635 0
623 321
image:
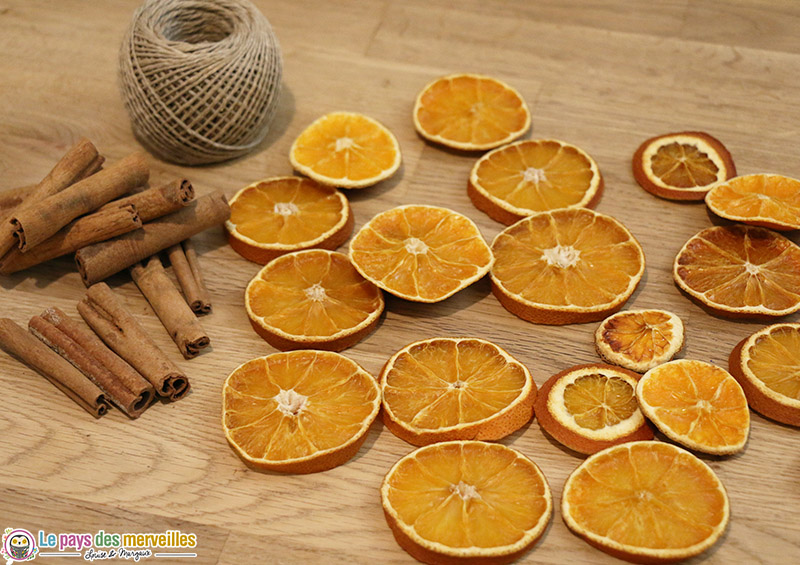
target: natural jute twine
200 78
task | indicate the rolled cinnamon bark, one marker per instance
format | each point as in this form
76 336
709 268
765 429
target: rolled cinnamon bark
98 226
120 382
101 260
186 267
170 307
159 201
80 161
106 315
22 345
34 224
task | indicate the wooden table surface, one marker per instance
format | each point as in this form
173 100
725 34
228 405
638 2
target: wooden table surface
602 75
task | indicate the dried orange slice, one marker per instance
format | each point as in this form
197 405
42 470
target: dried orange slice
740 271
455 388
285 214
421 253
682 166
591 407
347 150
466 502
470 112
639 339
298 412
770 201
312 299
565 266
697 404
767 365
526 177
646 502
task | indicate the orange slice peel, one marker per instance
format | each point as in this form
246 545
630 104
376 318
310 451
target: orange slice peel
420 253
446 389
467 502
591 407
683 165
312 299
470 112
298 412
646 502
697 404
639 339
767 366
526 177
347 150
283 214
566 266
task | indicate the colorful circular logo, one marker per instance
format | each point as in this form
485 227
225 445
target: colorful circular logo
19 545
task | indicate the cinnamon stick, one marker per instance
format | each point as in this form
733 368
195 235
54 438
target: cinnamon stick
110 320
170 307
101 260
79 162
159 201
34 224
22 345
98 226
186 266
120 382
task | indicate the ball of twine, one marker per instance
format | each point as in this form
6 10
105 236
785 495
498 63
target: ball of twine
200 78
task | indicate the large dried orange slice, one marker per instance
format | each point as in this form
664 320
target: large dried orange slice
347 150
455 388
421 253
639 339
767 365
591 407
566 266
682 166
285 214
312 299
740 271
646 502
697 404
470 112
298 412
770 201
531 176
466 502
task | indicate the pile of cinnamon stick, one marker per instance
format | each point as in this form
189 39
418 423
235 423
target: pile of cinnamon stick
111 221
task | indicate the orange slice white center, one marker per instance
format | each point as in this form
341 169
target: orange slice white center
639 339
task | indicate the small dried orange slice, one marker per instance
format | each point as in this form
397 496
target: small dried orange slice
767 365
298 412
467 502
285 214
740 271
470 112
697 404
531 176
566 266
591 407
312 299
770 201
639 339
646 502
421 253
682 166
455 388
347 150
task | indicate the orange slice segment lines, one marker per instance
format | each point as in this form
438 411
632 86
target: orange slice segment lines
770 201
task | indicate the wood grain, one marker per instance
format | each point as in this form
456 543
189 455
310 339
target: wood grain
602 75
